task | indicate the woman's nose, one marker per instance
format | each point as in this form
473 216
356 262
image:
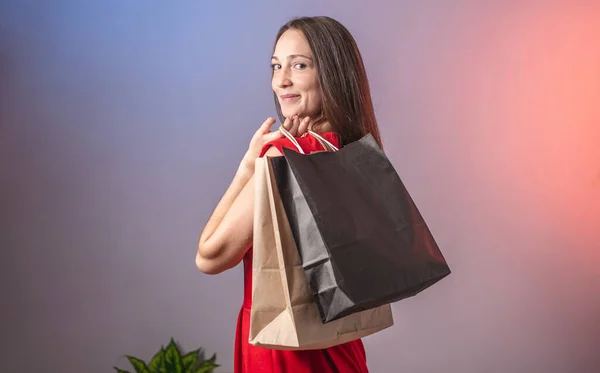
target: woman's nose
284 79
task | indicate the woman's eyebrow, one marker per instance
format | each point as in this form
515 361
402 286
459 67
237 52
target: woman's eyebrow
292 56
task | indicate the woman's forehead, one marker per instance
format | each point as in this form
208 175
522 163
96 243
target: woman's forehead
292 42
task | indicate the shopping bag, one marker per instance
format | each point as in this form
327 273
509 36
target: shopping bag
360 236
284 314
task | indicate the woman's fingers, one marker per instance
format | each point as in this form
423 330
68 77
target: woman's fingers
287 124
295 125
266 126
272 136
291 124
303 127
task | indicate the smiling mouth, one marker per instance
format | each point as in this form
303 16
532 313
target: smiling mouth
289 98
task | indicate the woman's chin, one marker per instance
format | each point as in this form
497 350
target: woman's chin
288 113
291 113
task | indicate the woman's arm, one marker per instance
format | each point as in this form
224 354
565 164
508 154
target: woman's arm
228 233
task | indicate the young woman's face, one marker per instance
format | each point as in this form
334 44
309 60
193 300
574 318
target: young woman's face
295 80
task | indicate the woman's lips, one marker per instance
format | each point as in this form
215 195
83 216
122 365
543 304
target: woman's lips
289 98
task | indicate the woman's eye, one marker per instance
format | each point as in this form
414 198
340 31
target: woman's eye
300 66
275 66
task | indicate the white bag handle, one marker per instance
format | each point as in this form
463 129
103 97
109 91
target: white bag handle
287 134
326 144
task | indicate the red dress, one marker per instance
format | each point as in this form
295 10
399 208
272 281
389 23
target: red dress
346 358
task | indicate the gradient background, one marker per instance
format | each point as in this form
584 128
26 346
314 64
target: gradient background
122 122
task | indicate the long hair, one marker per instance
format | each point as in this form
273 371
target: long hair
347 104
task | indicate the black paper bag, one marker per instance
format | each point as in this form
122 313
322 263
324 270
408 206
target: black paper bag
361 238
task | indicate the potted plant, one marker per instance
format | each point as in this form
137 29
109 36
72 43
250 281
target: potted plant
170 360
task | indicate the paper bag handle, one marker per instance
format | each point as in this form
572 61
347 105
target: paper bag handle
326 144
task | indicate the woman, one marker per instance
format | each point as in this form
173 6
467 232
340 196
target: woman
319 82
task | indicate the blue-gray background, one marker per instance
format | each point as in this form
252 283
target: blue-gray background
122 122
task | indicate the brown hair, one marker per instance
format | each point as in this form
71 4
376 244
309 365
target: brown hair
347 104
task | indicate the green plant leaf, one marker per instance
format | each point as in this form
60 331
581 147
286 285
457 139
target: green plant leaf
189 360
157 361
213 359
120 370
162 367
208 366
138 365
173 358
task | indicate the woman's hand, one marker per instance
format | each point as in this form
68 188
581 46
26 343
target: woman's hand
296 126
264 135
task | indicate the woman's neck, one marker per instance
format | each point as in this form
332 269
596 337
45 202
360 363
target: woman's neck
321 127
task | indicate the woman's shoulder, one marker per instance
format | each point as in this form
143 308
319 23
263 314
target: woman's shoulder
308 143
